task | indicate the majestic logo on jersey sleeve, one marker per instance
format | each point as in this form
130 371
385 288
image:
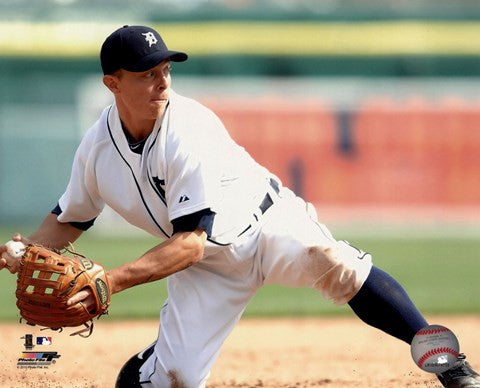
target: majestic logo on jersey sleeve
150 38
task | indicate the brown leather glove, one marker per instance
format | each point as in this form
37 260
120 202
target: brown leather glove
47 279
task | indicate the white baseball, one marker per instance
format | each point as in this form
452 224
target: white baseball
435 349
15 249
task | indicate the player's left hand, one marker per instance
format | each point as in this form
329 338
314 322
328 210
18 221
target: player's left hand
79 293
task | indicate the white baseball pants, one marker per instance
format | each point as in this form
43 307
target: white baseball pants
289 247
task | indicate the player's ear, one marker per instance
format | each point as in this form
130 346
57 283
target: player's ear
111 82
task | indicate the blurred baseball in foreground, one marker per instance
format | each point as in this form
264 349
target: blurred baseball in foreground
435 349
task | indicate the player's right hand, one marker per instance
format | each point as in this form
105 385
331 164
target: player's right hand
7 261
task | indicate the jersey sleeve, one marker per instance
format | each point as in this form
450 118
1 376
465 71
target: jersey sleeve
57 210
81 202
202 219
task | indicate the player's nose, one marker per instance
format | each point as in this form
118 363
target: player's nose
163 82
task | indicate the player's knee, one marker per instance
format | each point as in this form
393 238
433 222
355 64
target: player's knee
319 260
338 271
175 380
184 378
181 372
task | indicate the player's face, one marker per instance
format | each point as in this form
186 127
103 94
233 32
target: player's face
144 94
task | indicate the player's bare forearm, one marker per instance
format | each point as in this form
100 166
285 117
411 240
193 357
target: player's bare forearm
173 255
54 234
51 233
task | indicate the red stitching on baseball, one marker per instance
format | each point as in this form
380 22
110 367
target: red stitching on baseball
433 352
432 331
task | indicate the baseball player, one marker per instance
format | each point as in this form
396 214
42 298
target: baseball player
167 165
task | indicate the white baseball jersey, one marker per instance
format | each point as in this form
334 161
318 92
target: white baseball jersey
188 163
262 233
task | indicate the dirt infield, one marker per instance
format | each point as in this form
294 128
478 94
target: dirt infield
296 353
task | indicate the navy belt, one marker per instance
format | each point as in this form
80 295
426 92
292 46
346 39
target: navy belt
266 203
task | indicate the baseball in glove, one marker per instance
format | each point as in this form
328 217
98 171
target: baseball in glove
48 278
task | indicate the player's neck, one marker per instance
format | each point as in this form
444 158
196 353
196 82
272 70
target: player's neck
137 122
138 130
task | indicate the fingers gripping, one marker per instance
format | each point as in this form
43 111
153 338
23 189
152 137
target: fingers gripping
11 253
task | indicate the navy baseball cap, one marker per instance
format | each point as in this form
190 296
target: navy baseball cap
135 48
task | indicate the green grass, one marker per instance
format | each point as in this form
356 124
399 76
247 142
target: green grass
441 275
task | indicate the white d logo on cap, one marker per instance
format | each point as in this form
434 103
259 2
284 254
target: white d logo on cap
150 38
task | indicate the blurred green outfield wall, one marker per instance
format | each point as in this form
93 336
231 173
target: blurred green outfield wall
44 64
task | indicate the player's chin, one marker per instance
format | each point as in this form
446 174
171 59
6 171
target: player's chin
157 107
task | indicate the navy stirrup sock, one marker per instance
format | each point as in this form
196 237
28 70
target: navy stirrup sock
383 303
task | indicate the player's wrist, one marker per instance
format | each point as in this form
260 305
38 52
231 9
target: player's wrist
112 284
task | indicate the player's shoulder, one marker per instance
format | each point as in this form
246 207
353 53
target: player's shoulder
194 131
195 109
183 102
188 114
97 134
99 130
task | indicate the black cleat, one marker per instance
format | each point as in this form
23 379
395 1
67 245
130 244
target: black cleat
129 376
460 376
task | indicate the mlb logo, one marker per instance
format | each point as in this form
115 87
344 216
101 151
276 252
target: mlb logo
44 340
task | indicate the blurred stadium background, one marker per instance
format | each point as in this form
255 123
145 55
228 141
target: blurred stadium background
369 109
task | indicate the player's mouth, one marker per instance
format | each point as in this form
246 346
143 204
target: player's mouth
160 97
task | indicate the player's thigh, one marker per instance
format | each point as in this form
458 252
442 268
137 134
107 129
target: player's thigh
203 307
296 250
